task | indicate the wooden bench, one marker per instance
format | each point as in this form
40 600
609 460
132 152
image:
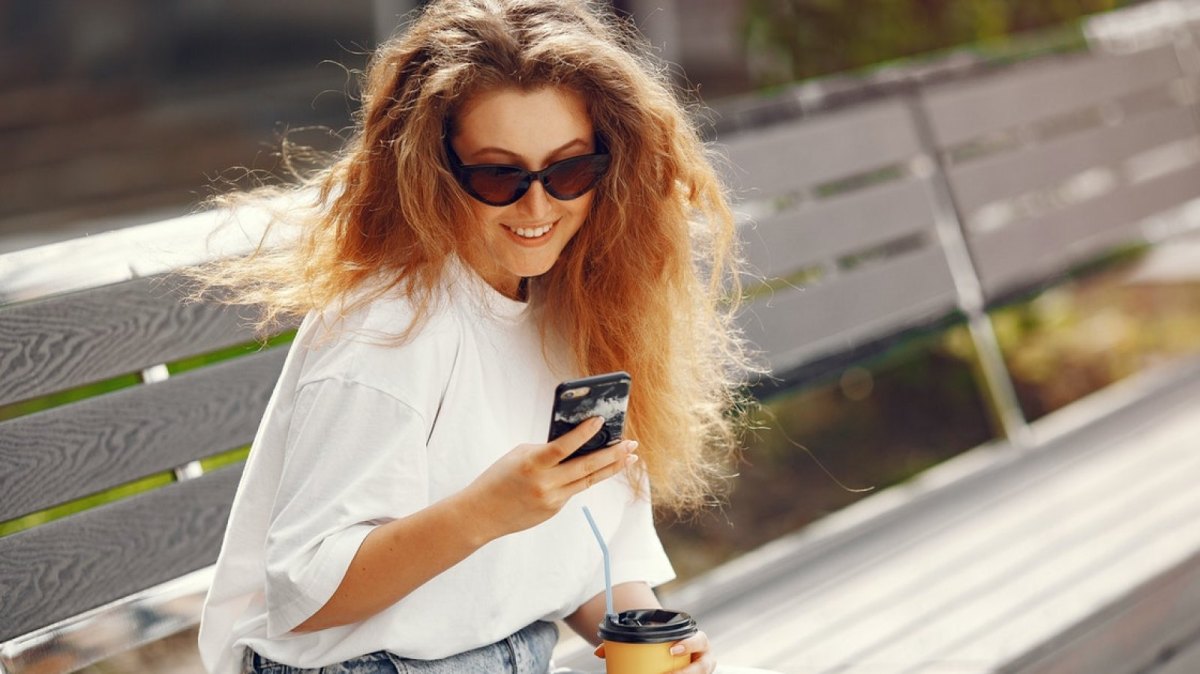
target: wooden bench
865 222
104 310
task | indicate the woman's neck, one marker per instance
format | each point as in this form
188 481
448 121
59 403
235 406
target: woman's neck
521 294
513 287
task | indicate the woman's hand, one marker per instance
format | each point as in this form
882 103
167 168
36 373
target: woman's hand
531 483
696 646
523 488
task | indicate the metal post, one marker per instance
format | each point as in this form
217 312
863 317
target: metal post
997 384
1184 37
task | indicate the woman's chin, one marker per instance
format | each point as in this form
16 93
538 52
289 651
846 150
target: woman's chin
532 267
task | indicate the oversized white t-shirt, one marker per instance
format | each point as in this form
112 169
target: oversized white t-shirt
359 432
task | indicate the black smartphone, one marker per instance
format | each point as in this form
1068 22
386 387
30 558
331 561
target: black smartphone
605 395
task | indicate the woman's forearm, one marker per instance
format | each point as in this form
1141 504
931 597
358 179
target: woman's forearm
399 557
527 486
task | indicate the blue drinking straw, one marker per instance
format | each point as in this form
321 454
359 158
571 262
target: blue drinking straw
608 604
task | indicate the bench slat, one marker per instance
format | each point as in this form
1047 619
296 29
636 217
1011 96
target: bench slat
88 336
72 565
72 451
1032 250
1123 634
978 611
792 326
785 159
780 245
914 593
962 111
1046 165
1089 235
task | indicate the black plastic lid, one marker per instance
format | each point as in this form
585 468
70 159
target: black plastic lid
647 626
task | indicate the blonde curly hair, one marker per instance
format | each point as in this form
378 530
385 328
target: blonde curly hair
648 285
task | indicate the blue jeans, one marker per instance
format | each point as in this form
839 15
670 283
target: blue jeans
526 652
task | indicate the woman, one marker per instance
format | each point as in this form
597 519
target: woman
524 202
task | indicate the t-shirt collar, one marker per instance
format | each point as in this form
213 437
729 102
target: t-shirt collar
493 301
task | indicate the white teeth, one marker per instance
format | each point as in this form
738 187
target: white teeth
531 233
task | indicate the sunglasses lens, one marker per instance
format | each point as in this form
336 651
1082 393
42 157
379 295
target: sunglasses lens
494 184
570 178
501 185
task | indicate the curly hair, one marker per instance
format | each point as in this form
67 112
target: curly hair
651 288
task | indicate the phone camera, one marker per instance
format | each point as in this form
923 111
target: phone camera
573 393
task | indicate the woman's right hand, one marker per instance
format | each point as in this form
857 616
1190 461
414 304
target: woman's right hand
531 483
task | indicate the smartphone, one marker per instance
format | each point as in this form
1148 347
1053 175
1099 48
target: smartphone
605 395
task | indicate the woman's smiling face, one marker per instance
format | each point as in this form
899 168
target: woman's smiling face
530 129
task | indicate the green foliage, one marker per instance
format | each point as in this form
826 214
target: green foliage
797 39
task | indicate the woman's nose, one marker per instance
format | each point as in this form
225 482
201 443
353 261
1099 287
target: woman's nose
535 202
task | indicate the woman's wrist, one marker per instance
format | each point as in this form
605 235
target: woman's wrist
476 521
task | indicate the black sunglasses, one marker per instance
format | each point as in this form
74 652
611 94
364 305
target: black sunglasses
502 184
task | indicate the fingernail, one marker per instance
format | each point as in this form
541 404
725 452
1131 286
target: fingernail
631 459
597 422
676 650
633 445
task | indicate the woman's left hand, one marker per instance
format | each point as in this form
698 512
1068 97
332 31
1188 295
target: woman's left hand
697 646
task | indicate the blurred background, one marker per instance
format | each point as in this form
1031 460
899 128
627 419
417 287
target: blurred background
120 112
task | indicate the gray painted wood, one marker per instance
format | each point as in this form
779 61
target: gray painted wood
777 246
1047 569
141 251
787 158
1129 635
844 308
982 560
1017 255
1033 249
960 112
1184 661
71 565
64 453
1048 164
1127 207
792 325
77 338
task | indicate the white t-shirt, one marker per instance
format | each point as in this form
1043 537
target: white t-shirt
359 432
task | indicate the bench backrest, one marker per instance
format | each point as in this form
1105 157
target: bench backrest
131 334
851 218
840 225
1057 162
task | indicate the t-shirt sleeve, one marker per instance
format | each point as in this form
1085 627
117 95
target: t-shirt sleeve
635 550
355 459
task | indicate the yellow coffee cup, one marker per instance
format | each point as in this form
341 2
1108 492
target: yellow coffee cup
639 641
